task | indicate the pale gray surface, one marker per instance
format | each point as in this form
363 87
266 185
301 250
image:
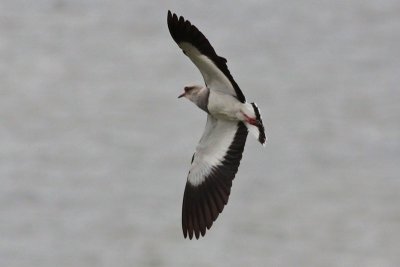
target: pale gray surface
95 147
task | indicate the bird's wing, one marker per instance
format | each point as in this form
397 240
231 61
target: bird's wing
196 46
214 165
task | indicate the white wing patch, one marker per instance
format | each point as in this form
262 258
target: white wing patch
212 148
214 78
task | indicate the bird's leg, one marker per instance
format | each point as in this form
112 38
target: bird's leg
250 120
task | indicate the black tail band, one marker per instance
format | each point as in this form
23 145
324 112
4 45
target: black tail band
260 125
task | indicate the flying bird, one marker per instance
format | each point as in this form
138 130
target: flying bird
229 119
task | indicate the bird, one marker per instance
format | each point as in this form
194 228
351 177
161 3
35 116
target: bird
216 159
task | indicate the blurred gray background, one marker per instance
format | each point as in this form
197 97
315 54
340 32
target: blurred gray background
95 146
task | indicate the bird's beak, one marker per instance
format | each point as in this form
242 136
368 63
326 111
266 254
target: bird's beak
181 95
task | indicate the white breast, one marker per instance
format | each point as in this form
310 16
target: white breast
223 106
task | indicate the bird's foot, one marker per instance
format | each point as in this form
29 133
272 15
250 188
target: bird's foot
250 120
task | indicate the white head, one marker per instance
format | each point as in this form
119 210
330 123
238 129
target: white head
192 92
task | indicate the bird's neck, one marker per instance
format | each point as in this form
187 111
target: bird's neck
202 99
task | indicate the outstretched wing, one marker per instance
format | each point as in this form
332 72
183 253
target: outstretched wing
196 46
214 166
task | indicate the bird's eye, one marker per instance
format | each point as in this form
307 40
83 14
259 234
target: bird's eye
188 88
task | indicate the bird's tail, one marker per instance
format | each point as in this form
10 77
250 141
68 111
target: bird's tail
256 129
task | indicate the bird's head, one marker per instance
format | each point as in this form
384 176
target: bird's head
191 92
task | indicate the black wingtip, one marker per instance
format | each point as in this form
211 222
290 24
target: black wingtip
169 19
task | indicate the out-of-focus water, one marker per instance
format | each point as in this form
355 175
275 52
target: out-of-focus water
95 147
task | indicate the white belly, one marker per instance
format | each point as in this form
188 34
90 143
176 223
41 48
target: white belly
223 106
